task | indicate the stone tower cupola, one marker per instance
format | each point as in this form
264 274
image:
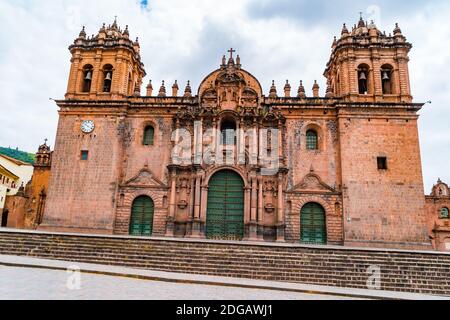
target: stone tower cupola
366 65
43 157
105 66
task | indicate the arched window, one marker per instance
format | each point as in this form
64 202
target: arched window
363 79
88 71
149 136
228 130
312 140
107 77
130 85
386 79
445 213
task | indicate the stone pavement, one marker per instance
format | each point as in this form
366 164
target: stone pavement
25 278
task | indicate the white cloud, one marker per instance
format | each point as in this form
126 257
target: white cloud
185 40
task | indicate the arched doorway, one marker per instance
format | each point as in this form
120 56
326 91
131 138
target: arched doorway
313 224
4 221
225 213
142 211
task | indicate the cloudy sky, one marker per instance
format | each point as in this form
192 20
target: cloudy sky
184 40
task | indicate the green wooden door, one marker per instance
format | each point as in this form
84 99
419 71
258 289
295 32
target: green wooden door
313 224
225 214
141 223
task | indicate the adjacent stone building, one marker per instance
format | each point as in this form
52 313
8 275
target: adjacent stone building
25 208
229 162
438 208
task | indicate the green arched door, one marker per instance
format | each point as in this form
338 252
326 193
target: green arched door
141 223
225 214
313 224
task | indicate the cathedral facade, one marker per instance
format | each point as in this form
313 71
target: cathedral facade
227 161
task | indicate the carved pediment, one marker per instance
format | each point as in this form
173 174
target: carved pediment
312 183
145 178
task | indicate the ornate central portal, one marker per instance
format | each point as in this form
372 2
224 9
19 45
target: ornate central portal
225 213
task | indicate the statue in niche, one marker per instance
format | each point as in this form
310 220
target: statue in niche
184 191
270 192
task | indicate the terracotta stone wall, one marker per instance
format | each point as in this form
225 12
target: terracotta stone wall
323 161
82 194
382 207
16 207
156 157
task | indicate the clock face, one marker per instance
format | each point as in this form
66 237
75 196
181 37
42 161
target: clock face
87 126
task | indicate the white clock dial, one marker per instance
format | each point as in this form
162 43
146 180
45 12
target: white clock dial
87 126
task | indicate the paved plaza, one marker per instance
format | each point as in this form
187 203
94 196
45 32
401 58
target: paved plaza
35 284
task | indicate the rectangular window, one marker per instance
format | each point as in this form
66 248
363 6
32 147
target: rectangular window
382 163
84 155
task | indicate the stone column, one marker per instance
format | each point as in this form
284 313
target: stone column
247 205
172 206
260 207
280 219
280 143
197 206
253 216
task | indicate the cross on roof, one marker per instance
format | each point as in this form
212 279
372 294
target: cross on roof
231 51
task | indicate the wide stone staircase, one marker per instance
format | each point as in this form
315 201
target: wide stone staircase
419 272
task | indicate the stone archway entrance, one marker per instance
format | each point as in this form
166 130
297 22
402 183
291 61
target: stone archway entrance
225 211
141 223
4 222
313 224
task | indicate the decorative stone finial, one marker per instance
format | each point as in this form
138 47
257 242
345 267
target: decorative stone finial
83 32
397 30
316 89
273 90
344 31
162 90
126 32
149 89
188 90
175 89
361 23
287 89
301 91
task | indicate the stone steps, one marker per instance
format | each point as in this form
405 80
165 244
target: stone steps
403 271
104 247
292 263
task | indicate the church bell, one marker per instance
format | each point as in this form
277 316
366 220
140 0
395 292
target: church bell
363 76
88 76
386 76
108 76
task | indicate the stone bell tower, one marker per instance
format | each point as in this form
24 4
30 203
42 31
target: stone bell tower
379 148
105 66
366 65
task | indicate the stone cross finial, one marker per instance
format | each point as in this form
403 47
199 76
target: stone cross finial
231 51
